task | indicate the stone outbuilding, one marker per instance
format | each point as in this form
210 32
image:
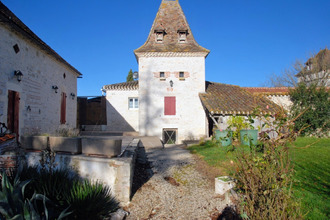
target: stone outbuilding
38 88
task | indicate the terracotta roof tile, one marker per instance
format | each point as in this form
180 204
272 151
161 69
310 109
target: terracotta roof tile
229 99
10 20
171 19
133 85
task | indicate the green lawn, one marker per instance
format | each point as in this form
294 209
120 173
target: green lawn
311 160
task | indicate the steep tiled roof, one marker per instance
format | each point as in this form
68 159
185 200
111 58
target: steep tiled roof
267 90
322 54
133 85
317 63
170 19
228 99
12 22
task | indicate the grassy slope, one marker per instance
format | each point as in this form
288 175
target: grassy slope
311 163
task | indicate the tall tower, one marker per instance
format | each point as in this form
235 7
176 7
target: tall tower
171 76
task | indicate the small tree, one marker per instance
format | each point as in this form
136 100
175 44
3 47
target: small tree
314 100
264 177
129 77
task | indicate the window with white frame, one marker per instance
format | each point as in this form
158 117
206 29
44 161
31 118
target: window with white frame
133 103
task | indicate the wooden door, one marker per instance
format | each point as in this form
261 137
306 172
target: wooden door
63 108
13 112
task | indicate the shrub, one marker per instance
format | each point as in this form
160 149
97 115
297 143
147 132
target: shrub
55 184
14 204
265 178
314 101
65 191
237 122
91 201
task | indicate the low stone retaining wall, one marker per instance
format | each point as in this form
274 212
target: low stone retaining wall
116 172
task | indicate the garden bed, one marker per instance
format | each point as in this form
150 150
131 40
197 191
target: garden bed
311 159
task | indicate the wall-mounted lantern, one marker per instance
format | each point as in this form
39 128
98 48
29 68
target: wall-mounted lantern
171 83
55 88
18 74
72 95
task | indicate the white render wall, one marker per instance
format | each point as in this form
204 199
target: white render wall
190 118
119 116
321 78
40 73
281 100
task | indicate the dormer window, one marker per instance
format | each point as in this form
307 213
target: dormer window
159 32
309 66
183 36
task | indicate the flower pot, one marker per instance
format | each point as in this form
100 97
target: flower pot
34 142
249 136
225 137
101 146
65 144
223 184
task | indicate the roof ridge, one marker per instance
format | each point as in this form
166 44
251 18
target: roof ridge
223 84
131 85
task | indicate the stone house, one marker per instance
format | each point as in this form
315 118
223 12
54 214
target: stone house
316 69
171 99
38 88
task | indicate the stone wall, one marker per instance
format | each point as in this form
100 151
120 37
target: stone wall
117 172
39 109
189 119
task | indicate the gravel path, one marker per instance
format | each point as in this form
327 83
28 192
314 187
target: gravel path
169 187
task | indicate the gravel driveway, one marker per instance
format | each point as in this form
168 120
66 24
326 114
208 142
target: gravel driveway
168 186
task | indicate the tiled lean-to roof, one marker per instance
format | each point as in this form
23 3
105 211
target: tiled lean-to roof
133 85
227 99
279 91
170 19
9 19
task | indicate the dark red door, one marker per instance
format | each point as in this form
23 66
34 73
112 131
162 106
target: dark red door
63 108
13 112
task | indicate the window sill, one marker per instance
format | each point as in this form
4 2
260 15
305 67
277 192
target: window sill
162 79
182 79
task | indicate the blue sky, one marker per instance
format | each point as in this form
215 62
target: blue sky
249 39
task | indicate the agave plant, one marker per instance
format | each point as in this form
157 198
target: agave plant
15 205
91 201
